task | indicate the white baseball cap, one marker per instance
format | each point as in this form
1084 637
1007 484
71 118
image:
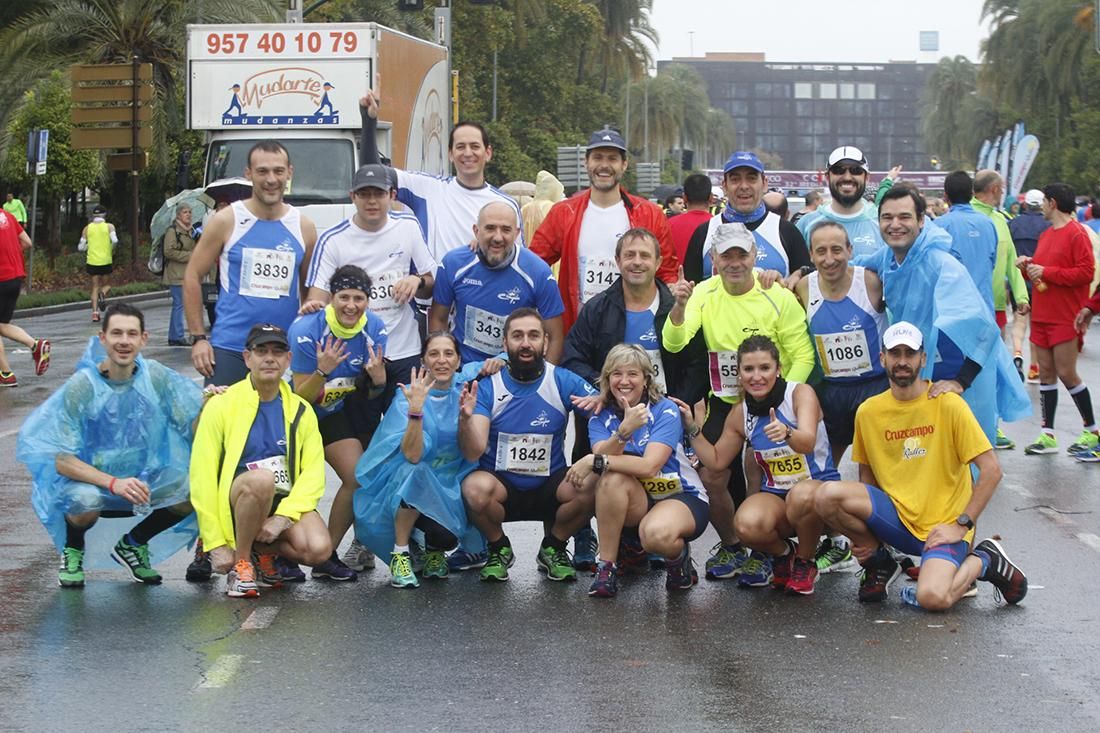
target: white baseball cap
729 235
849 152
900 333
1034 197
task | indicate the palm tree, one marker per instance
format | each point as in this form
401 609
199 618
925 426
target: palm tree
946 100
623 49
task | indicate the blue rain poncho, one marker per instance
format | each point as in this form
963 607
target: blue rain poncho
141 427
432 486
934 292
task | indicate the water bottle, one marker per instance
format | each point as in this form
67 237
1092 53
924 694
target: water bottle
143 509
909 596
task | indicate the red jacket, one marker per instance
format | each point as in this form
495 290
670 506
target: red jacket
556 240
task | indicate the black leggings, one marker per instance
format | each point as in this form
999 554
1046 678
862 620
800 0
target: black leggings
436 536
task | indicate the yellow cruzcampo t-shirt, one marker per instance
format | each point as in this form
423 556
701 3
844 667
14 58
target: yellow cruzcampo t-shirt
920 451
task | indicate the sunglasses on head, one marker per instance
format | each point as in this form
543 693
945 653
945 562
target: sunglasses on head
840 170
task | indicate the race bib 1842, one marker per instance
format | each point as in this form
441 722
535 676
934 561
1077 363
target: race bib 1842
524 454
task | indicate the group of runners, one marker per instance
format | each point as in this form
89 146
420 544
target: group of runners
435 358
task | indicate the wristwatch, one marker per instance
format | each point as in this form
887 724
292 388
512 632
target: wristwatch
599 464
964 520
199 337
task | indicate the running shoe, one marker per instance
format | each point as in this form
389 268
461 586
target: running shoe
95 316
71 572
289 571
781 568
358 557
680 574
135 558
240 582
401 571
910 568
1086 442
40 352
461 559
756 571
833 556
8 379
972 591
1092 456
725 561
497 564
585 546
200 569
606 582
101 304
1018 361
878 574
803 577
555 563
435 564
656 562
1005 576
1003 441
632 556
267 572
334 569
416 553
908 596
1033 374
1044 444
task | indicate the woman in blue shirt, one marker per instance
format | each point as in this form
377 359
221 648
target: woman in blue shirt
648 496
334 352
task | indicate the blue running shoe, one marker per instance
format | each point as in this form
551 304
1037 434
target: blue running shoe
756 572
461 559
289 571
585 546
606 583
725 561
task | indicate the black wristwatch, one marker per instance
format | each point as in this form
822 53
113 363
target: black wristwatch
599 464
199 337
964 520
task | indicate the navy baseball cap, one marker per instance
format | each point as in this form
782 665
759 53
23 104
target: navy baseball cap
606 138
266 333
743 159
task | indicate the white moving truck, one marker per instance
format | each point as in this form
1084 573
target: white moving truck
300 84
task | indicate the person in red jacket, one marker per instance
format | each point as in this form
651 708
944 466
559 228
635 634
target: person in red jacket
1061 271
583 236
13 240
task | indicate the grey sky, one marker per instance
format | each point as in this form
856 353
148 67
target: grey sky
818 30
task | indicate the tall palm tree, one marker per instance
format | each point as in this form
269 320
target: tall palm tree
946 95
624 49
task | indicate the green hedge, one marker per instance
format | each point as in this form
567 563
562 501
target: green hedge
77 295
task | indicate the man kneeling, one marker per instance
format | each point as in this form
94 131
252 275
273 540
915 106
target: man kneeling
917 449
258 471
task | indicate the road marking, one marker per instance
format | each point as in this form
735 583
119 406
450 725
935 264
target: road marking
9 433
222 671
261 618
1090 539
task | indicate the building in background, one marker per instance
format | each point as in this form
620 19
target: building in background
801 111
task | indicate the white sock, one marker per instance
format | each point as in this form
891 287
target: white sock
398 549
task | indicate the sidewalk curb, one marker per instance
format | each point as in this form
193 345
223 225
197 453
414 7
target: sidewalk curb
83 305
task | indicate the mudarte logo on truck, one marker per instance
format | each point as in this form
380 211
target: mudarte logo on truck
303 90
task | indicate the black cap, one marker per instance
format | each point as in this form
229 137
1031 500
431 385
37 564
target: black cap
266 333
606 138
372 175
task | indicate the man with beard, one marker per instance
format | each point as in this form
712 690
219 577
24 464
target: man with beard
513 425
847 173
482 287
582 230
779 245
915 490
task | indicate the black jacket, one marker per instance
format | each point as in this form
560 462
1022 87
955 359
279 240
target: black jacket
601 324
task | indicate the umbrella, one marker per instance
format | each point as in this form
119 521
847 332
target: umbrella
199 202
519 188
229 189
663 191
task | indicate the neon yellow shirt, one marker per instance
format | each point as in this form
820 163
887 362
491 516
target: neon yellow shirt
727 320
920 452
1005 265
99 243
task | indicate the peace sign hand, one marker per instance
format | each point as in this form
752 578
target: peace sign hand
467 400
375 366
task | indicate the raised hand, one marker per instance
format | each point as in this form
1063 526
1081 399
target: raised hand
375 366
633 417
332 354
372 101
682 288
775 430
420 383
467 400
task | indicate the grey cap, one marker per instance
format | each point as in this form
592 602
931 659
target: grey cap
372 175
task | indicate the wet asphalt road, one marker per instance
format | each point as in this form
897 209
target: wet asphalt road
533 655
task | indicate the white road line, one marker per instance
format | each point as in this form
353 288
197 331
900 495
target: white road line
261 618
9 433
222 671
1090 539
